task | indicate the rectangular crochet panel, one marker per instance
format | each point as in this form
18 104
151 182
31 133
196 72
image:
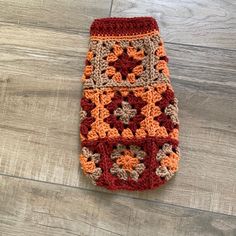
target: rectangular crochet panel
129 118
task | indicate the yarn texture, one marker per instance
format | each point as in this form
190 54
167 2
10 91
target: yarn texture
129 128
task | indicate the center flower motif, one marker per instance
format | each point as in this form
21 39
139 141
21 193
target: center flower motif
125 113
127 162
124 63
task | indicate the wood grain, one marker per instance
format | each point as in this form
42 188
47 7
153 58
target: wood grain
39 106
60 15
33 208
40 90
205 22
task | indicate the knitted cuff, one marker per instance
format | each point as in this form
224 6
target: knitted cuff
129 114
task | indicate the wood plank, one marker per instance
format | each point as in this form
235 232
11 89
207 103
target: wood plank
62 15
39 107
33 208
205 22
40 91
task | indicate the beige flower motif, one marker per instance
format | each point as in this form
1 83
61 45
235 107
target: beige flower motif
127 162
163 172
88 161
126 112
172 111
166 149
168 161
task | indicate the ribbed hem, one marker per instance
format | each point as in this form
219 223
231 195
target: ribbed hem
116 26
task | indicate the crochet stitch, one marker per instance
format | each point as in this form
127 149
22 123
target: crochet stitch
129 114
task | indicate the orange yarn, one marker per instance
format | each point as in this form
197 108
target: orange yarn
139 55
117 49
127 161
87 166
171 162
138 70
160 52
175 134
125 37
131 78
162 66
110 70
89 56
88 70
117 77
111 57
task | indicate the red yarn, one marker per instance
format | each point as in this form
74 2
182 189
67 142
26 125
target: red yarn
123 26
124 64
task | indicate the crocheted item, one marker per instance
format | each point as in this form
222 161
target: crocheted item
129 117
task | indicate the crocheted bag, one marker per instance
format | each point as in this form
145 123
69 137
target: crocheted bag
129 117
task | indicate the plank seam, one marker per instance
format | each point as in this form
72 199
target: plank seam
119 195
76 32
111 8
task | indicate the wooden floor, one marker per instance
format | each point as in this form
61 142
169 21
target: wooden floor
42 192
